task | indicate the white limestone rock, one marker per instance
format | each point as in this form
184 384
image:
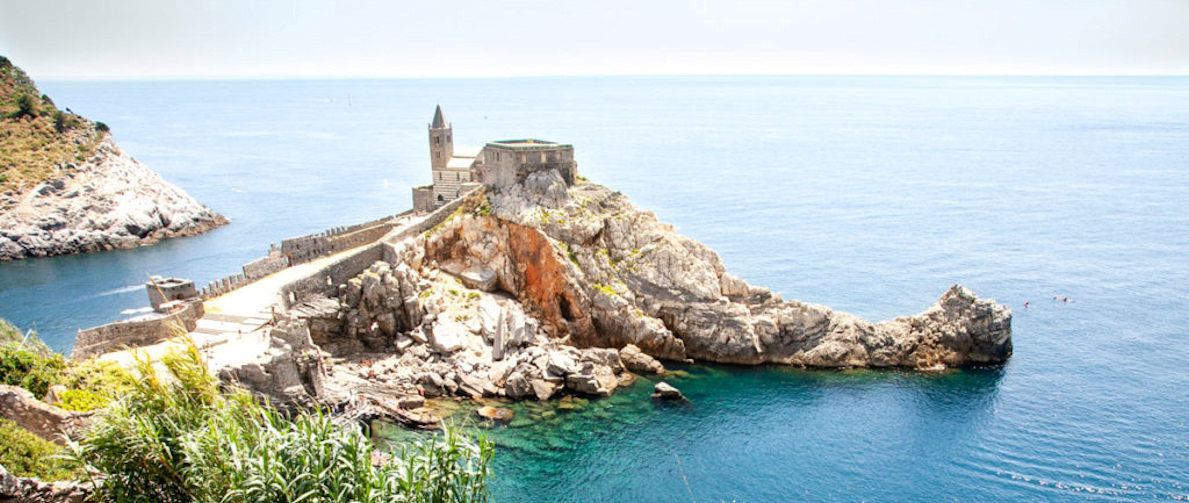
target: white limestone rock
110 201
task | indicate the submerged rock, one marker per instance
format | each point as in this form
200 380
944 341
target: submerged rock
495 413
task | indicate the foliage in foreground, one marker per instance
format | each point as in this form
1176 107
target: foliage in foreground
27 455
179 438
28 369
29 363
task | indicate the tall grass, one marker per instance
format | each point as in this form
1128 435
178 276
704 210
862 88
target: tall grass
180 438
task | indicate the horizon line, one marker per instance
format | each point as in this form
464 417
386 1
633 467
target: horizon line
295 77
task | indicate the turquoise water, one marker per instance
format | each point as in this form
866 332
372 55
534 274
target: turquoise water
870 195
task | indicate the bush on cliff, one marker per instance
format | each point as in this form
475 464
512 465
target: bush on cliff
27 455
179 438
36 373
28 362
37 140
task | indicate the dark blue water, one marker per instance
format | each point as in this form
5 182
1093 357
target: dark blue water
870 195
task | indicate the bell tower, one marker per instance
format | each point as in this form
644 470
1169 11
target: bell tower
441 142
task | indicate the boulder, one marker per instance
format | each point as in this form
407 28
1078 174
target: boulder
666 391
449 336
636 361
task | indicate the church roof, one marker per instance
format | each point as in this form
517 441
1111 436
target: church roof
438 120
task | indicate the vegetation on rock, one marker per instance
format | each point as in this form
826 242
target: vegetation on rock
27 362
27 455
38 141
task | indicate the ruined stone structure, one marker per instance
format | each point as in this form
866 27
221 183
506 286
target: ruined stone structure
164 290
498 164
509 162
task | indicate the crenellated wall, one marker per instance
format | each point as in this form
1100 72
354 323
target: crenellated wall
325 281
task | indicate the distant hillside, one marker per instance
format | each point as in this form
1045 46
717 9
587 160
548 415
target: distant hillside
66 187
37 139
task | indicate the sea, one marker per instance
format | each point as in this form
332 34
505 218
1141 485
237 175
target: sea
1065 198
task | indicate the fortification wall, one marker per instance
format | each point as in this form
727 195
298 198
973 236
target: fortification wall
303 249
423 198
223 285
262 267
326 280
98 340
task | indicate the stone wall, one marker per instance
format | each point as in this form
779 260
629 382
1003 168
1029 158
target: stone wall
15 489
423 198
20 406
508 163
264 266
95 341
223 285
324 283
306 248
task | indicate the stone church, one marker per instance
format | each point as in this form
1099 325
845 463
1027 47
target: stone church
498 164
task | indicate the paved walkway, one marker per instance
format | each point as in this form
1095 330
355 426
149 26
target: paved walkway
235 328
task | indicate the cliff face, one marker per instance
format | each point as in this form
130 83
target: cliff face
66 187
541 288
642 283
106 202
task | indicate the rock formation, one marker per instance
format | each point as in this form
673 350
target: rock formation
543 289
46 421
66 187
15 489
110 201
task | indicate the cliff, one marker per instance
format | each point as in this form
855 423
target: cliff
542 288
66 187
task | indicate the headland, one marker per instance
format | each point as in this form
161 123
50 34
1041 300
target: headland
519 279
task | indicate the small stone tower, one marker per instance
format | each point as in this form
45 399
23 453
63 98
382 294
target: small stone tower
441 142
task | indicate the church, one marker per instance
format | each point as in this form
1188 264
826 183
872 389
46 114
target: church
498 164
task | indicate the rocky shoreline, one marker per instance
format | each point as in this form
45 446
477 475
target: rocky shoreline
542 290
109 201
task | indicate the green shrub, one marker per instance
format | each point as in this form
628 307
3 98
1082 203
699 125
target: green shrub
101 127
26 106
182 439
27 455
82 400
19 367
101 377
12 336
61 121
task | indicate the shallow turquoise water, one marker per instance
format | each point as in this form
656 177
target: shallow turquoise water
870 195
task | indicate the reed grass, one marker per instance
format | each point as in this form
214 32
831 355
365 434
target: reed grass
181 438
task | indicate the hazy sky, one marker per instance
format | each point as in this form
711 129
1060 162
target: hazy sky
364 38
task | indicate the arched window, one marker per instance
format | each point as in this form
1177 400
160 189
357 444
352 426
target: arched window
440 198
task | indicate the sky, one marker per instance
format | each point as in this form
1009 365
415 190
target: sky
168 39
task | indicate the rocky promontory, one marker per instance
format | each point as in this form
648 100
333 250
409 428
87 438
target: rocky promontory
66 187
110 201
541 289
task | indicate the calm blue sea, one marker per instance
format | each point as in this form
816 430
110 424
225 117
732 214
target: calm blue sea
870 195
